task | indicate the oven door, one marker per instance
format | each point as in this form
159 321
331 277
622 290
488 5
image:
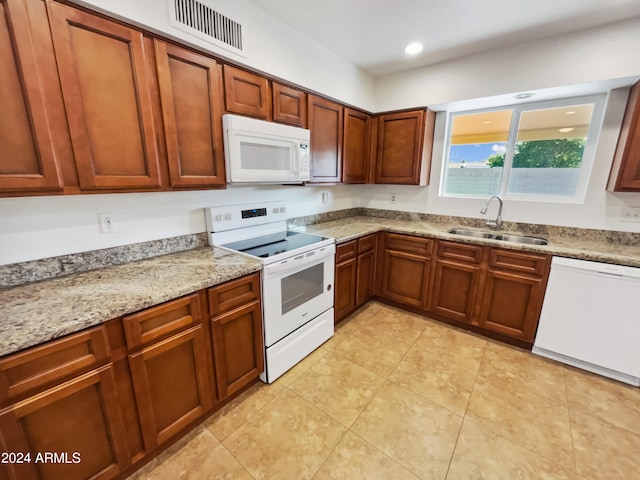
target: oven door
296 290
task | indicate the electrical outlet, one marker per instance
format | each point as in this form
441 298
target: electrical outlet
325 197
108 223
630 214
393 198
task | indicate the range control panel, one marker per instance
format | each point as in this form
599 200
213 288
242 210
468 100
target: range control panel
230 217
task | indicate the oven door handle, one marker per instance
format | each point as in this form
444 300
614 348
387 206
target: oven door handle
298 262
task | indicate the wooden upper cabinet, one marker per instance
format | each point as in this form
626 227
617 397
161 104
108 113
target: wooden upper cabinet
27 156
399 151
325 123
105 86
356 146
625 175
289 105
246 93
192 116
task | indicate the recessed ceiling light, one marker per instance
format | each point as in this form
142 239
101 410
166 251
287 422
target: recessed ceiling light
487 122
565 129
522 96
571 112
413 48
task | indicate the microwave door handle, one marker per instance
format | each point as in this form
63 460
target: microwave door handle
296 158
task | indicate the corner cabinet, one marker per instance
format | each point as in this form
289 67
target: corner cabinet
354 275
405 263
625 174
404 143
28 160
191 113
105 85
325 123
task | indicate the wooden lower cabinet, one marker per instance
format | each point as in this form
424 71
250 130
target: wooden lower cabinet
456 280
236 329
100 401
79 420
238 350
172 385
406 269
513 293
354 275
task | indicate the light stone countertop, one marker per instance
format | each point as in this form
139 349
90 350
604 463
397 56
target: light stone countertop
35 313
586 245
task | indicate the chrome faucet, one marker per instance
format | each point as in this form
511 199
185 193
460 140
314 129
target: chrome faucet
494 224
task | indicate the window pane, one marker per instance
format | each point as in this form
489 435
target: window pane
476 153
548 151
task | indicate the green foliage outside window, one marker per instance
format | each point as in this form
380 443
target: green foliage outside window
555 153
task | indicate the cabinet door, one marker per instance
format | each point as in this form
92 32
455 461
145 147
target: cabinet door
456 280
511 304
405 278
289 106
80 419
238 350
246 93
455 288
628 150
345 289
27 158
192 117
104 81
400 139
325 123
365 280
171 385
356 148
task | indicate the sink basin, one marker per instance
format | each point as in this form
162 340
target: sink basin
499 236
471 233
521 239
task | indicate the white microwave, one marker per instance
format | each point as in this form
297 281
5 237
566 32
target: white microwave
257 151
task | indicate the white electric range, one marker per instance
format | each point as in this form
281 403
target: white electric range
297 278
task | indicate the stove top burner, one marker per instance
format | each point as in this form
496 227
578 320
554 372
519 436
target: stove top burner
266 246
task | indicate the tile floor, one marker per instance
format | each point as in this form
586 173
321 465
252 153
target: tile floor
396 396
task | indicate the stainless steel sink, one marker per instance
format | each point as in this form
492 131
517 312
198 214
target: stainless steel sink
521 239
471 233
499 236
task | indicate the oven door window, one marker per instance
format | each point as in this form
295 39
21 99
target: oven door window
301 287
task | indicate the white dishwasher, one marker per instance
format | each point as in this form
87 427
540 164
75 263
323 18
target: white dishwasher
591 318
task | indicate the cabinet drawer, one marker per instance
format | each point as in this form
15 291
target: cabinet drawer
346 251
366 243
44 365
149 325
460 251
531 263
409 244
230 295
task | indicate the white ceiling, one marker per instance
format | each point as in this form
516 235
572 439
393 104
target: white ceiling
372 34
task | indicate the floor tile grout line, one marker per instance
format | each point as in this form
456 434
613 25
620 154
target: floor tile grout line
573 445
464 415
250 416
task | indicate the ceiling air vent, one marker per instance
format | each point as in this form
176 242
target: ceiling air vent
205 23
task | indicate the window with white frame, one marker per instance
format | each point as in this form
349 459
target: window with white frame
537 151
